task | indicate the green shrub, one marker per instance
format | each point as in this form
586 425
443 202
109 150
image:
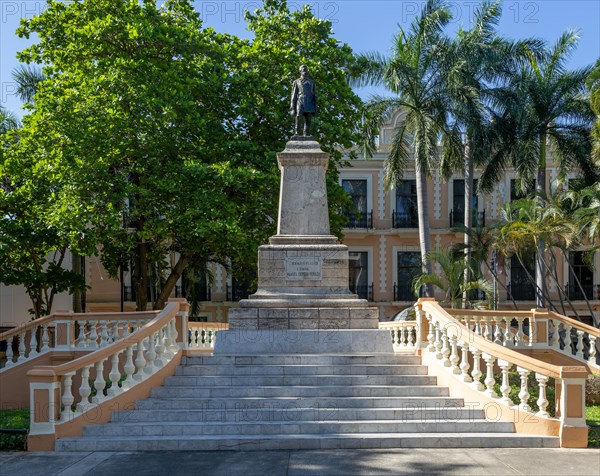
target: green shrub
14 419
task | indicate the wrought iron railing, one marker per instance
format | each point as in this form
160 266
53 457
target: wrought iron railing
521 293
583 292
458 218
404 220
359 221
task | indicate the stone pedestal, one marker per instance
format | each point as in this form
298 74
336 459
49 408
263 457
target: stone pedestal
303 271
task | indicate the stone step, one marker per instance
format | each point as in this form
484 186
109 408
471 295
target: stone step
278 369
184 429
247 412
304 359
198 403
213 380
300 391
307 441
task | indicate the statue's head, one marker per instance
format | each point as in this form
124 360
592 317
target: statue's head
303 70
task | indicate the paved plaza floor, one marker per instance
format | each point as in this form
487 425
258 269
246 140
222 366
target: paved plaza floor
464 462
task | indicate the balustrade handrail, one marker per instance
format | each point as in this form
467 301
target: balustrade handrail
147 330
388 324
501 352
481 312
72 316
15 331
575 323
209 325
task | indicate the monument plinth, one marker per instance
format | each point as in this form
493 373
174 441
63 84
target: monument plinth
303 271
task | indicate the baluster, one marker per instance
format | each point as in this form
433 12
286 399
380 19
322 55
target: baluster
168 352
438 342
431 337
568 339
524 393
160 350
593 351
489 377
404 331
555 339
104 340
505 387
67 397
519 335
508 335
33 341
498 334
445 348
476 372
22 348
45 338
140 362
174 335
454 358
150 355
93 335
579 346
114 375
128 368
395 337
542 402
464 361
99 383
486 334
85 390
9 351
412 336
477 320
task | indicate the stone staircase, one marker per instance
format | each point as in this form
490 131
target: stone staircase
278 402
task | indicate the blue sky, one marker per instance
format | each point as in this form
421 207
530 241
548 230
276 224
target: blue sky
364 24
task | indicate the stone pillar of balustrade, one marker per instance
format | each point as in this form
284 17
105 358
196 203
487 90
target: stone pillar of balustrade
570 408
44 388
64 331
181 321
538 328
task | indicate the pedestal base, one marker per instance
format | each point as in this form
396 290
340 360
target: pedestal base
304 318
320 341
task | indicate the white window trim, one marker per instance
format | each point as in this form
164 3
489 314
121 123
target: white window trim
369 251
368 178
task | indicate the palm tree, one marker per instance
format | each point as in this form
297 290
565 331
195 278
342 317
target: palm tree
8 120
27 78
414 74
543 105
451 282
479 61
593 84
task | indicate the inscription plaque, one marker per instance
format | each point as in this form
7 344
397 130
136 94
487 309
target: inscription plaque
304 268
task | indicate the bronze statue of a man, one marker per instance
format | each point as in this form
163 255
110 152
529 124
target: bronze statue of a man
304 101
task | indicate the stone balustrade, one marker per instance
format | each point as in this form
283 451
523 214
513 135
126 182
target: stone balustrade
64 394
67 331
203 335
535 329
464 354
404 334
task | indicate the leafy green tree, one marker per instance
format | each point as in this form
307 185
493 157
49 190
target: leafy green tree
414 73
160 135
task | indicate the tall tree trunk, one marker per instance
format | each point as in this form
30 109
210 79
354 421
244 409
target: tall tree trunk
423 210
540 275
468 214
141 271
76 260
171 281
